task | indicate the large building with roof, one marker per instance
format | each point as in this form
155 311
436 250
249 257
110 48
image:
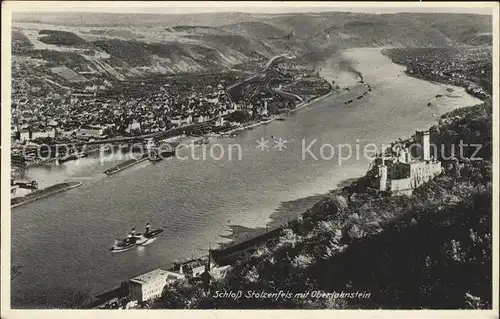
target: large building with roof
150 285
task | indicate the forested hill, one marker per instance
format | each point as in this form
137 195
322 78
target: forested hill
127 45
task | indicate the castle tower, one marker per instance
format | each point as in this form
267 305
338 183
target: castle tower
401 156
423 140
404 156
407 155
382 177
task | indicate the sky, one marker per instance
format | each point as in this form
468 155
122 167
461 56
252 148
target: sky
178 7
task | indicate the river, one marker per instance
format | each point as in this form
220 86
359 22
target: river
63 241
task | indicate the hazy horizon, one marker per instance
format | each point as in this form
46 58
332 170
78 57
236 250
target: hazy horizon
165 8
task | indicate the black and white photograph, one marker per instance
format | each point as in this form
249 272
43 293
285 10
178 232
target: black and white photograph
242 156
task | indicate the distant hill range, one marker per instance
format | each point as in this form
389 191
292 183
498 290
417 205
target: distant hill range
126 45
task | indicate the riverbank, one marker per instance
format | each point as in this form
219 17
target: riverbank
309 102
286 212
43 193
454 67
275 117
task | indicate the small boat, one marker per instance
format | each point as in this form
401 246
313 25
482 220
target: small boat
123 245
134 240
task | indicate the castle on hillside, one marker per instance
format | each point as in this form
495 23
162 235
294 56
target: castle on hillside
401 172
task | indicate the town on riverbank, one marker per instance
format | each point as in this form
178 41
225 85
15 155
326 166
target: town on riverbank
468 67
158 107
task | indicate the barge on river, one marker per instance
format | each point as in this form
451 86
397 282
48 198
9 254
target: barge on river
125 165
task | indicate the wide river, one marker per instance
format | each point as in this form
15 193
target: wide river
63 241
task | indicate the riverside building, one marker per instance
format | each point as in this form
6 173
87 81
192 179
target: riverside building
402 172
150 285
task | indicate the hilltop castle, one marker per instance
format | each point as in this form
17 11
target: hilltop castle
401 172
